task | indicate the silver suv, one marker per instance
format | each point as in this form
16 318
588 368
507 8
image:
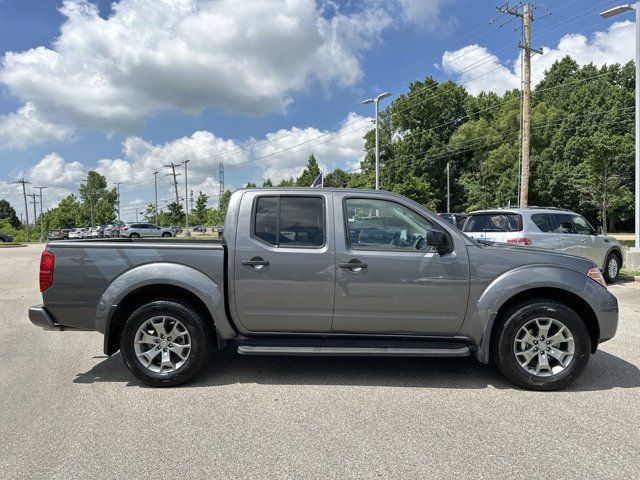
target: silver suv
139 230
548 228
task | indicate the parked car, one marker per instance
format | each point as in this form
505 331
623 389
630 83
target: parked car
175 230
455 219
219 229
199 228
75 233
60 234
140 230
6 237
84 232
549 228
300 272
107 231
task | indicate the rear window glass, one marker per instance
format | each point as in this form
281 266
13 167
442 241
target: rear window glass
290 221
544 222
493 222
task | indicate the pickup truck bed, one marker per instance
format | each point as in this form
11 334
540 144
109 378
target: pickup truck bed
329 272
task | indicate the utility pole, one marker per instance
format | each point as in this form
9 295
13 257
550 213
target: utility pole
172 166
191 198
526 15
220 182
118 187
186 199
26 209
41 215
448 190
155 186
35 202
136 214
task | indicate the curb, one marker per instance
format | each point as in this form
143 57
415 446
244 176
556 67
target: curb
14 246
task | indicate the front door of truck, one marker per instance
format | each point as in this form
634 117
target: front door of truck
388 280
284 263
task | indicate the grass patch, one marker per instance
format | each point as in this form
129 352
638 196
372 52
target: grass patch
635 273
10 244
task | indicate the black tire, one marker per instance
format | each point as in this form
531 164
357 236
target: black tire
166 234
503 344
612 277
134 235
202 342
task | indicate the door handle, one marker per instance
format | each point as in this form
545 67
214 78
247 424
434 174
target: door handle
256 263
353 265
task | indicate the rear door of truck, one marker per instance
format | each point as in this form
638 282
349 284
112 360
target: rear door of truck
283 264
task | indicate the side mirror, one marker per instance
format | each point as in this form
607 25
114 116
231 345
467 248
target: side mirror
439 241
157 228
599 230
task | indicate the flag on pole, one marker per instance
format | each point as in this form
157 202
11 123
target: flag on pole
318 182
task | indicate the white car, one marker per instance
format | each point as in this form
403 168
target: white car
140 230
549 228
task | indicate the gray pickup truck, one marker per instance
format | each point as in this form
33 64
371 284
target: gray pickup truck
329 272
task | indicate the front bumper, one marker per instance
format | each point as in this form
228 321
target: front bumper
40 317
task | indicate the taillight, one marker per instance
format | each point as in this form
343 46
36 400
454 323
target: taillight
126 228
47 262
595 274
519 241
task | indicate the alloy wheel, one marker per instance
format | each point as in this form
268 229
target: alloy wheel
544 347
162 344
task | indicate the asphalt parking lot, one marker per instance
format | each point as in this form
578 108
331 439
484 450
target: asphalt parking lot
67 411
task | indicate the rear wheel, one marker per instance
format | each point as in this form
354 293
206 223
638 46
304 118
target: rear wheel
612 268
542 345
165 343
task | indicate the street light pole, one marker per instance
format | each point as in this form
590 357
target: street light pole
155 186
610 13
448 190
186 200
376 101
118 200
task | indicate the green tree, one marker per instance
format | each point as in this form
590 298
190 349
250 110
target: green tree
8 212
200 211
267 183
417 190
96 198
309 174
251 185
150 213
175 213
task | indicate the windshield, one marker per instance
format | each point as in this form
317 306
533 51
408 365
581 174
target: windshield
493 222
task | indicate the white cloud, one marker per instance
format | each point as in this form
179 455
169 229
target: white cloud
244 57
343 148
611 46
27 127
53 171
426 14
479 70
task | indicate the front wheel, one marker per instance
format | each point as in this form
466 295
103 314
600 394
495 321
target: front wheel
542 345
165 343
166 234
134 235
612 268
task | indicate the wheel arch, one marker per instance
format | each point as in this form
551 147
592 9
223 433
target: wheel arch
160 281
565 297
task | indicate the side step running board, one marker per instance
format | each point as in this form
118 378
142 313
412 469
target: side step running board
456 351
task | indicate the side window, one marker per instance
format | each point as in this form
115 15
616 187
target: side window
290 221
581 226
383 225
266 219
544 222
564 223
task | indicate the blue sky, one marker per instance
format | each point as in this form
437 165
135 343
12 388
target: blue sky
258 85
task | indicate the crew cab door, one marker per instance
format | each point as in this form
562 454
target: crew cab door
284 275
388 281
